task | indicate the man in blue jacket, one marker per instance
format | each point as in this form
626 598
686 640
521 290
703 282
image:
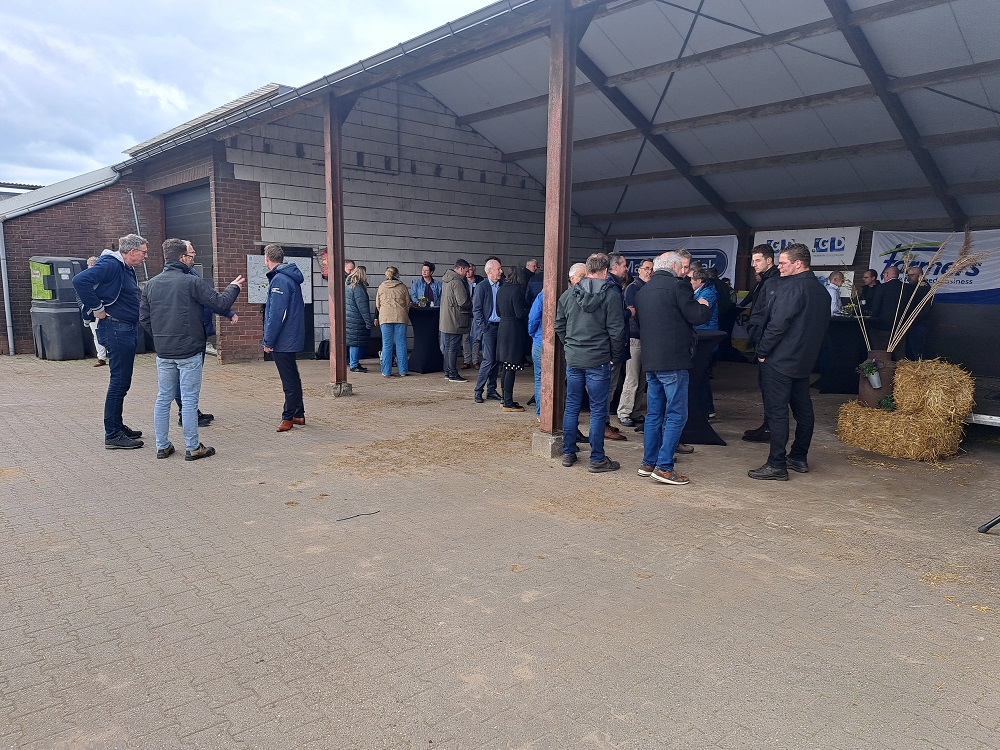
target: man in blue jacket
284 330
171 312
792 331
109 293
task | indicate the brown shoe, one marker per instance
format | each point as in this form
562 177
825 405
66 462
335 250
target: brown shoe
284 426
611 434
298 420
669 477
100 363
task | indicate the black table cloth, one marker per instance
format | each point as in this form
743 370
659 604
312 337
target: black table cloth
426 355
843 350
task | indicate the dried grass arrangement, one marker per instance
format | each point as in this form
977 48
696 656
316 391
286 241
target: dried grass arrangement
932 398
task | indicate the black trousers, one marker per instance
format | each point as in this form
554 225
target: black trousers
291 384
780 392
489 368
452 349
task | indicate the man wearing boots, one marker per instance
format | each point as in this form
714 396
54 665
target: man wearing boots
762 260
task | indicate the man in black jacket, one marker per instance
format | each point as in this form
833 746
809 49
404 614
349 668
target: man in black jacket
798 315
171 311
667 313
762 260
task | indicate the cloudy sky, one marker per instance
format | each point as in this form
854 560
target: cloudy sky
82 81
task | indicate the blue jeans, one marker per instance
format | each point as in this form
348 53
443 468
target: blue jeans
666 415
119 338
177 395
596 381
394 338
452 348
536 358
354 354
172 374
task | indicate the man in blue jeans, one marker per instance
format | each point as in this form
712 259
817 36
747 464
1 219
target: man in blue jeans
590 323
108 292
668 313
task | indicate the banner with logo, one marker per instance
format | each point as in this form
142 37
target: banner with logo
828 247
979 285
713 252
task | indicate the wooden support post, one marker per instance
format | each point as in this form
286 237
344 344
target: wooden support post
333 119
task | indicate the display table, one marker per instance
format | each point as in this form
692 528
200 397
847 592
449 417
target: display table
843 350
698 429
426 355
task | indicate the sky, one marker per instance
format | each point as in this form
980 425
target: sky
80 82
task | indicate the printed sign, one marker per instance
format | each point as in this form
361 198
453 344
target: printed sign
828 247
713 252
257 278
977 285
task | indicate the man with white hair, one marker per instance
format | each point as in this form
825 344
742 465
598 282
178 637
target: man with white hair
485 325
668 314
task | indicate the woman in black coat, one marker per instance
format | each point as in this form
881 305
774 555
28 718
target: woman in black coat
513 342
357 317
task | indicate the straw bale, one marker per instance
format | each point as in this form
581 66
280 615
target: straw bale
934 388
919 437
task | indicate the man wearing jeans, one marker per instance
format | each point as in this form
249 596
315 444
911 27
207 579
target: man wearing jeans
791 335
109 293
171 312
668 313
590 322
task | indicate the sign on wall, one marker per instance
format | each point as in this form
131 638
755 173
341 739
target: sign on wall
977 285
257 278
835 246
713 252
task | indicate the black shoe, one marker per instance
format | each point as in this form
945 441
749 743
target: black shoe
478 398
800 466
641 428
202 422
456 378
768 472
606 465
684 449
493 397
134 434
627 422
359 368
202 451
122 442
205 415
568 459
581 438
757 436
165 452
530 401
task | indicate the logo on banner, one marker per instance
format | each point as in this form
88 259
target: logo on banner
919 254
820 245
711 257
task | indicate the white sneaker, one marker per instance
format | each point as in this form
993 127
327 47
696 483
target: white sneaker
209 349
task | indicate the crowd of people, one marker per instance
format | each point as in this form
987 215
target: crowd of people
639 334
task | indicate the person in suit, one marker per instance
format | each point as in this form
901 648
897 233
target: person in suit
485 325
513 344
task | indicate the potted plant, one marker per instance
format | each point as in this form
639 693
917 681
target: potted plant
869 368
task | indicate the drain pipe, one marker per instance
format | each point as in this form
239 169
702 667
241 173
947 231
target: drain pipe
4 271
8 312
138 229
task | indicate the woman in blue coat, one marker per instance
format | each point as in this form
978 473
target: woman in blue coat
357 317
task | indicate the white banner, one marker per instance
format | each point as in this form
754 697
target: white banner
978 285
829 247
714 252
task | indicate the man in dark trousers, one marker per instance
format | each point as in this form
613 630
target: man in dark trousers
762 260
668 313
172 313
109 293
456 317
791 335
886 307
284 331
485 325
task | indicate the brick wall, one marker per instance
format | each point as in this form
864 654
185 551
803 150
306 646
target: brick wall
77 228
416 187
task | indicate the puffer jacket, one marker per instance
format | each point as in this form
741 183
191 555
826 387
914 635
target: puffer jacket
456 304
590 322
284 311
357 315
392 301
172 307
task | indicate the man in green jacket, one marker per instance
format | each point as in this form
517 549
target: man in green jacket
590 323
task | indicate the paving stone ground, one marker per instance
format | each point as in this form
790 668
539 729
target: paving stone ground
402 573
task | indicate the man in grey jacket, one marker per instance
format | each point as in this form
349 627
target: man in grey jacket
171 311
590 322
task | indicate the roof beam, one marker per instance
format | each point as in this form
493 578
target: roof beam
872 66
908 83
623 104
805 201
757 44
